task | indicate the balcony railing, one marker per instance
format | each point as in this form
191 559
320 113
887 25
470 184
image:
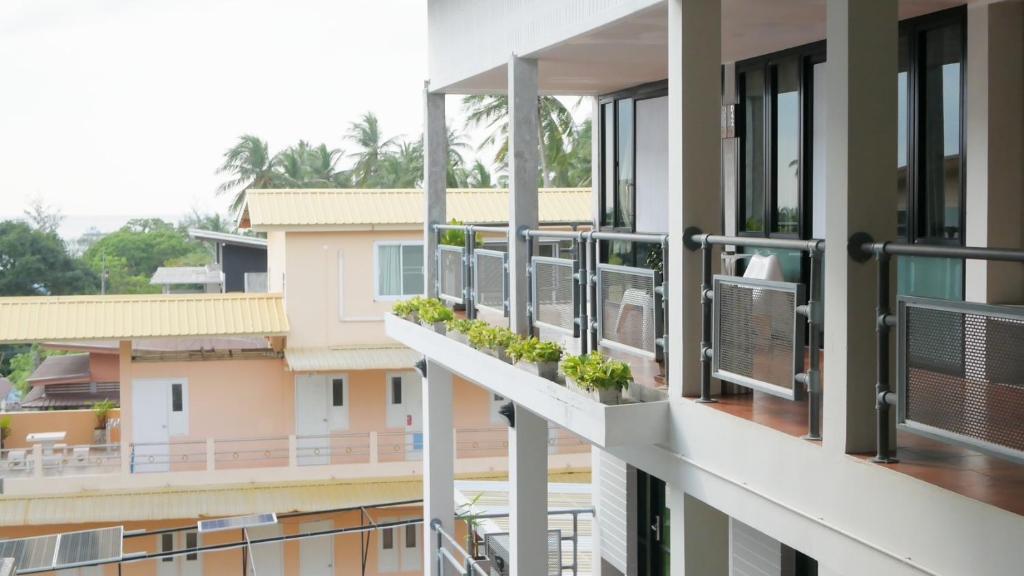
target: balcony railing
571 293
753 331
75 460
960 373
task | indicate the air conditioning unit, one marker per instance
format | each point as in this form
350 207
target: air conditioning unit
498 546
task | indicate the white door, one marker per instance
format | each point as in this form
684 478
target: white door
312 421
150 425
267 559
185 564
316 555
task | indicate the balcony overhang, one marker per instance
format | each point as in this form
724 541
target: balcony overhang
601 425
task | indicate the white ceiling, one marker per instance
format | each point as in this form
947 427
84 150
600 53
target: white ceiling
634 50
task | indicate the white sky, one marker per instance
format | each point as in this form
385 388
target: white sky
117 108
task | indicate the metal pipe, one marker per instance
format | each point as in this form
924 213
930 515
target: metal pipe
813 332
705 322
529 284
564 234
928 250
883 453
492 229
665 304
630 237
467 273
752 242
593 249
578 270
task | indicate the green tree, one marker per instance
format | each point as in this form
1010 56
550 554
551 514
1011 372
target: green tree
479 176
21 367
211 222
403 168
249 165
371 149
131 255
42 216
556 127
33 262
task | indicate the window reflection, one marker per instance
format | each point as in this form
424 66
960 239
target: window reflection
787 147
624 188
608 142
940 126
752 203
903 107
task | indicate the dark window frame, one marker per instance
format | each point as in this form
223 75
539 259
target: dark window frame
177 397
338 396
396 390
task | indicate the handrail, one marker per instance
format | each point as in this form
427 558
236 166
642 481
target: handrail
695 240
861 247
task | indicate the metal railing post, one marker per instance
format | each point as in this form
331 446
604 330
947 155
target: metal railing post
529 283
435 525
705 321
883 397
467 273
813 342
665 305
437 262
578 270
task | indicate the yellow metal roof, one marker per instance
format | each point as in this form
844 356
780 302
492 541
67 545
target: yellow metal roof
120 317
362 209
197 502
350 358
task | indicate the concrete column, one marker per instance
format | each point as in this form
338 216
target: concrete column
125 402
528 493
523 165
699 538
435 175
861 189
694 179
438 460
995 145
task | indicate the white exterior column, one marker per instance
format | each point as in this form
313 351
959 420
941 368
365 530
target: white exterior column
523 164
694 179
438 460
528 493
699 538
435 174
861 191
995 146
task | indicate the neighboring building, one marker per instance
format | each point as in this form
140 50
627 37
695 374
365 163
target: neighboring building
73 382
296 394
772 454
242 259
189 279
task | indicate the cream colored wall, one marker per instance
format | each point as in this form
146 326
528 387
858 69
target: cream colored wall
275 262
319 314
231 398
78 424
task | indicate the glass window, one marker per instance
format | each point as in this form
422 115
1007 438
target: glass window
399 269
176 398
167 545
940 113
786 210
396 389
608 144
903 142
191 541
387 538
752 201
338 392
410 536
625 183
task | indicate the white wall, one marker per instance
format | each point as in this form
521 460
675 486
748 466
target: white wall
752 553
612 503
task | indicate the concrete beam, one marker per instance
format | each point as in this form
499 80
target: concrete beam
528 493
861 191
523 166
435 175
694 179
438 460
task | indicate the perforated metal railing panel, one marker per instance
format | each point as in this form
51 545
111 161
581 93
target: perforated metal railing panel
625 301
553 293
450 273
961 372
758 340
497 545
490 279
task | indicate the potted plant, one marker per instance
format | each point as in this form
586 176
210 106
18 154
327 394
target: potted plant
600 378
101 410
458 329
536 357
5 431
498 341
434 314
408 309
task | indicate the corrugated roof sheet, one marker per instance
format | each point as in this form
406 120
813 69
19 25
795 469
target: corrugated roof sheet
66 367
43 318
195 502
340 208
350 358
186 275
225 238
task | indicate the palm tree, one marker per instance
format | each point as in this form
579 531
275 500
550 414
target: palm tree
250 165
403 167
323 166
292 166
457 176
479 176
554 129
372 148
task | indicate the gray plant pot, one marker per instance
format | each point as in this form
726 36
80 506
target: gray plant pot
607 397
498 353
438 327
459 337
548 370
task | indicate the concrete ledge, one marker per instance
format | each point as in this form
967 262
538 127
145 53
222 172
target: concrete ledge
601 425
